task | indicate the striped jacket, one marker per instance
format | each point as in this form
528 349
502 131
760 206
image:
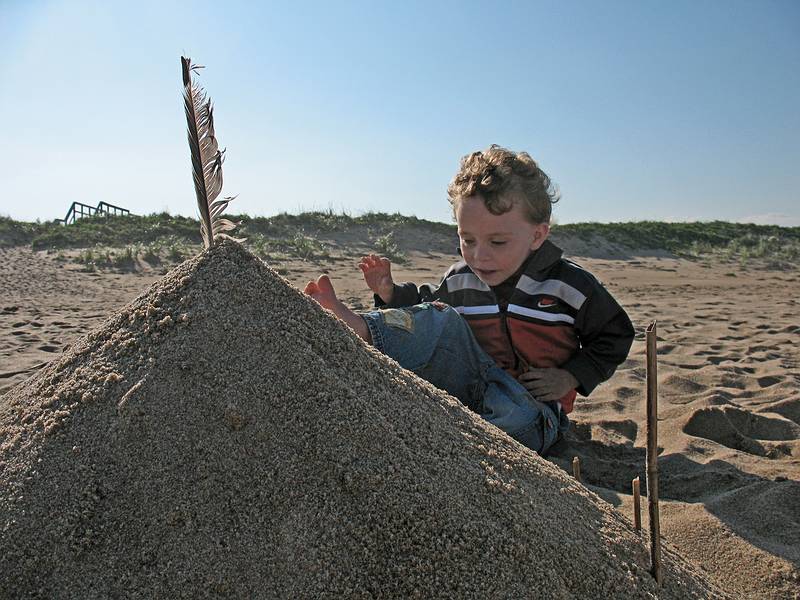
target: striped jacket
557 315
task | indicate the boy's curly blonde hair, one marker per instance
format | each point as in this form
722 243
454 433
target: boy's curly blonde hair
502 177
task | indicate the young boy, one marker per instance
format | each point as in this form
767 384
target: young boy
536 328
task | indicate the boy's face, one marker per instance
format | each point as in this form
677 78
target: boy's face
495 246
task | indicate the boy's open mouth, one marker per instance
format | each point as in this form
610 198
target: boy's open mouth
484 273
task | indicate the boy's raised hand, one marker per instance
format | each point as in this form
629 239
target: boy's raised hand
377 272
548 384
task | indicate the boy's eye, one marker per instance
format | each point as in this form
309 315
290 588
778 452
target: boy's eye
498 242
467 242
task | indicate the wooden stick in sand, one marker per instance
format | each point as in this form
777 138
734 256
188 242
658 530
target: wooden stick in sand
637 505
652 453
576 468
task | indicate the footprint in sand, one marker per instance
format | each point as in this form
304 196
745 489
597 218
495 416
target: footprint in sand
617 406
734 381
626 428
718 397
716 360
631 363
48 348
624 392
677 384
754 349
691 367
769 380
742 430
789 408
639 373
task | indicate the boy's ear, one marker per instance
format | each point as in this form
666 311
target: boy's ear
540 233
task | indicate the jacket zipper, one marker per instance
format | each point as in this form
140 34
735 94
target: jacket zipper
504 324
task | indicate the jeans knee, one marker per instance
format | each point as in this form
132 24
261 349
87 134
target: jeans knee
454 324
450 313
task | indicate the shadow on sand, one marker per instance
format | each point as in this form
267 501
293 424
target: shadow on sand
764 512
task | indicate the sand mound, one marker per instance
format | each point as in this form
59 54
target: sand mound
224 436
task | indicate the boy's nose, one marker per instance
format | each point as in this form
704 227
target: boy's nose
480 253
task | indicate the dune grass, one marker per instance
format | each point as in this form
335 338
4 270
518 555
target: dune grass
298 235
740 241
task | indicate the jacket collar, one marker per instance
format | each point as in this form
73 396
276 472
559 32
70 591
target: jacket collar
542 259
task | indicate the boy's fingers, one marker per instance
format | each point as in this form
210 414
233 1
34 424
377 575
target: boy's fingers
533 374
539 389
537 372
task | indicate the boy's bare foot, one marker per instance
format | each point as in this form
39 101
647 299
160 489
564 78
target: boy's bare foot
322 291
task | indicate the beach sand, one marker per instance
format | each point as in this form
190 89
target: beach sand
729 393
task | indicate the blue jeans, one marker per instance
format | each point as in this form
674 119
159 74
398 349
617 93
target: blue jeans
435 342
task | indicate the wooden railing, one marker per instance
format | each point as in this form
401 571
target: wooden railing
78 210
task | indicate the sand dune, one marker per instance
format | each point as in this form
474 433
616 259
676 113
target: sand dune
729 375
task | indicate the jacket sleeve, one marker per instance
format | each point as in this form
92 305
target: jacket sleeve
605 333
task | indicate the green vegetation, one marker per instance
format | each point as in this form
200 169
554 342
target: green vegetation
170 249
297 245
692 239
329 222
122 241
386 246
102 230
118 230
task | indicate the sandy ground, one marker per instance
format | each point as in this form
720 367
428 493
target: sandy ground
729 391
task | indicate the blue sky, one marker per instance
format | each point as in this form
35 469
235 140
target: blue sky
680 110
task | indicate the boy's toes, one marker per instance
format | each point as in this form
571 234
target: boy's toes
324 285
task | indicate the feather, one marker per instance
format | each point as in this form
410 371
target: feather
207 158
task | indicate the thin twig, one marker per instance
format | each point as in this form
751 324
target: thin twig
652 452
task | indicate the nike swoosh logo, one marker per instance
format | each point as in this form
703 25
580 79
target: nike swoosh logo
546 305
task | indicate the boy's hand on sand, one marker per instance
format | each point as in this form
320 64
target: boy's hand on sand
548 384
377 272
